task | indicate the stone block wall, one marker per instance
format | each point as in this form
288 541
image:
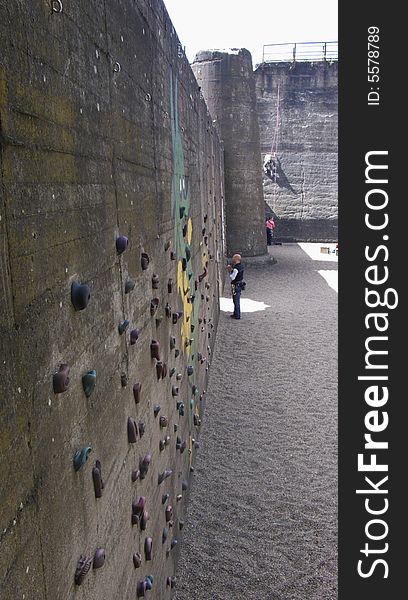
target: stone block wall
104 136
298 119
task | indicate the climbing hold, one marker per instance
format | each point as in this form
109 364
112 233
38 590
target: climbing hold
121 243
194 390
135 475
137 388
156 409
81 456
129 286
172 342
124 379
183 446
168 513
88 382
137 560
178 442
148 548
161 445
80 295
173 543
183 264
141 588
142 428
163 421
167 310
155 281
176 352
159 369
83 565
197 420
154 303
162 476
155 349
174 390
165 497
123 326
134 335
60 380
165 534
172 371
202 275
149 582
138 507
184 484
181 525
144 465
177 315
97 479
185 229
132 430
173 256
143 520
182 211
144 261
192 328
167 440
164 371
188 253
171 581
170 286
99 558
167 246
179 376
190 370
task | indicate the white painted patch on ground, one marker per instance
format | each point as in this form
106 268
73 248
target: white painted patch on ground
247 305
331 276
313 249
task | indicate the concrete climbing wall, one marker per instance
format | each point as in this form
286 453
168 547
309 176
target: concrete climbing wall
228 86
111 239
298 117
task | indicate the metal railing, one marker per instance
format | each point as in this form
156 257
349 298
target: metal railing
300 51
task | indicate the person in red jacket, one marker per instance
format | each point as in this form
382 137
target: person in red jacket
270 227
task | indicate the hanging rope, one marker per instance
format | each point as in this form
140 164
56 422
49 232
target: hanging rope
274 147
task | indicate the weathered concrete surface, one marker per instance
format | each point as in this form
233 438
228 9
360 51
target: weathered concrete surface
103 133
228 86
298 118
262 513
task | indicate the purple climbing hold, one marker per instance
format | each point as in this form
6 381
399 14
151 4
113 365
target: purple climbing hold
137 388
99 558
134 335
121 243
80 295
60 380
132 430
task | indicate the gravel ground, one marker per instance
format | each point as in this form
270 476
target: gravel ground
262 513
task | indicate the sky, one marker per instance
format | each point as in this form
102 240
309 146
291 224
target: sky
223 24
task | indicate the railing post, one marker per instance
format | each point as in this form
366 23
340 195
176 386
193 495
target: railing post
294 53
324 51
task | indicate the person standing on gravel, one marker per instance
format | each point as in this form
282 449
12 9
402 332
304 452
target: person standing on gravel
236 273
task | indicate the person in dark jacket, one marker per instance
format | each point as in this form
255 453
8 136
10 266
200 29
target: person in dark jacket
236 273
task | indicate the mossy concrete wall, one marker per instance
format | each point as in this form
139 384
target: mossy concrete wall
103 134
298 118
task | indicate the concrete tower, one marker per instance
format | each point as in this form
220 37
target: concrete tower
227 83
